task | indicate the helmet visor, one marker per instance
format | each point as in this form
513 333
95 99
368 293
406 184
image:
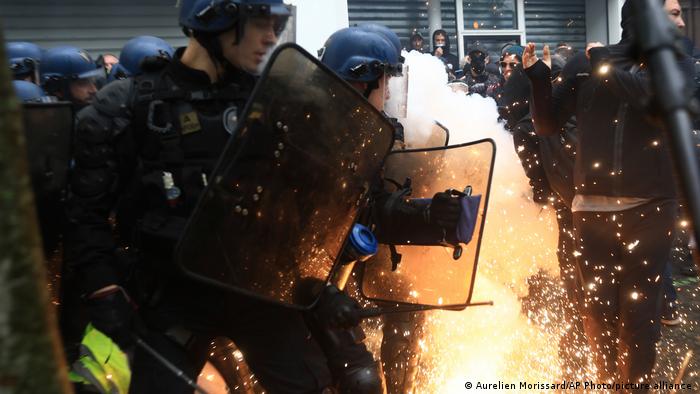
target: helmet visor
97 73
396 97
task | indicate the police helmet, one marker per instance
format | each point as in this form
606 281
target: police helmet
23 58
385 32
27 91
135 51
68 63
360 56
216 16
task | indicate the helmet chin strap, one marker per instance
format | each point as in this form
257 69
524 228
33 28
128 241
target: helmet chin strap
371 86
210 42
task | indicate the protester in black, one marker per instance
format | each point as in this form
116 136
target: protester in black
624 204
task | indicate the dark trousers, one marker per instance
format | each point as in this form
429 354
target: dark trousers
574 336
670 294
621 263
274 340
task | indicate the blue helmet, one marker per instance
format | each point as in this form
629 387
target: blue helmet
27 91
64 64
135 51
67 63
385 32
360 56
216 16
23 58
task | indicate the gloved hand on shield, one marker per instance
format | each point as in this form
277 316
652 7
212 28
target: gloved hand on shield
448 218
456 214
337 309
444 210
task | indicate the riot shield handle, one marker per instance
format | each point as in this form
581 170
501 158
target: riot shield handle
379 311
457 248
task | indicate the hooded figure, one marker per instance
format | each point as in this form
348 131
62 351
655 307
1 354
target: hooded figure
441 49
476 76
417 43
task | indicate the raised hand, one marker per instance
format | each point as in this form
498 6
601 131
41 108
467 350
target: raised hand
530 56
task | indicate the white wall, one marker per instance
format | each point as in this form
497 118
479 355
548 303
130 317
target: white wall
614 18
317 20
603 21
597 21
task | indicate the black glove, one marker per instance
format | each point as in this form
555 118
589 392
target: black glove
113 314
445 210
337 309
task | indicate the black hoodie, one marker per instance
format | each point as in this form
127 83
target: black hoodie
448 58
621 152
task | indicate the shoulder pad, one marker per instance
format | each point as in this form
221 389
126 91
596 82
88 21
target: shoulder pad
115 99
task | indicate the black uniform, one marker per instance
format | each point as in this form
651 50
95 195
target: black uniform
144 150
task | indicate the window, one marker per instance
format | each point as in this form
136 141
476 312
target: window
490 14
490 23
493 44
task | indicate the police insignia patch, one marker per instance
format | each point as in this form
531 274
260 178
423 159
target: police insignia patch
189 123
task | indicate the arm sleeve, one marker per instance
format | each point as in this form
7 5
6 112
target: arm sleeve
89 244
551 108
527 147
630 87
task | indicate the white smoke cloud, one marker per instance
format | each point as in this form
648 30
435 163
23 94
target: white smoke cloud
520 236
520 239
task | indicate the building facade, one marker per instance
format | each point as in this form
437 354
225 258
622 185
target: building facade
104 26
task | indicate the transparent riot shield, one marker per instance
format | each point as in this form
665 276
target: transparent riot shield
431 275
289 184
48 130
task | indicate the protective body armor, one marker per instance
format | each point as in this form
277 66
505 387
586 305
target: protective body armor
180 134
151 142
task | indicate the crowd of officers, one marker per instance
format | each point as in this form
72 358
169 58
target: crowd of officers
580 128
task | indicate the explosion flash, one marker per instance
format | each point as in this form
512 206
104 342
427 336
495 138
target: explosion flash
517 339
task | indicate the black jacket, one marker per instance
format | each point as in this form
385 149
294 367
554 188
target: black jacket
514 109
620 152
451 60
119 164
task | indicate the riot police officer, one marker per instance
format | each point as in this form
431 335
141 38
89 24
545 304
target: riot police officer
24 59
144 149
367 57
139 55
70 74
